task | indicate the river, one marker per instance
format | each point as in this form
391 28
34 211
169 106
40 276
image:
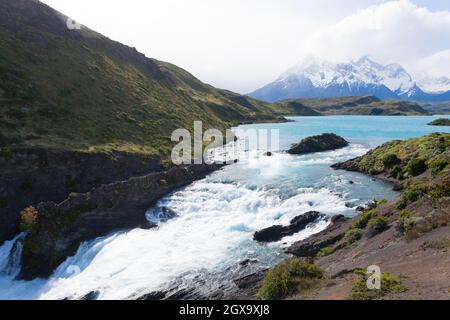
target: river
216 217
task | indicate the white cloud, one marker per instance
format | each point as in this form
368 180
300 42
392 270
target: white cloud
395 31
437 64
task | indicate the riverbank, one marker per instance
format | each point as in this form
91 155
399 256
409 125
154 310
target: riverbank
407 238
55 231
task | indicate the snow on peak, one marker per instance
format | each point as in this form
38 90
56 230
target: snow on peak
356 73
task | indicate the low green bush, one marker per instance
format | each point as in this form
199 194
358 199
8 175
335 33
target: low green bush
353 235
362 220
325 252
416 167
378 224
391 160
289 277
412 193
388 284
437 165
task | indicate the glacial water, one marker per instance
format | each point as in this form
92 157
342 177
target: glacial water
216 217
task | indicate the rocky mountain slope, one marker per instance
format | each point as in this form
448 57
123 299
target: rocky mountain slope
318 78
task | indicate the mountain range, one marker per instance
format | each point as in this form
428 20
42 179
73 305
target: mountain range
319 78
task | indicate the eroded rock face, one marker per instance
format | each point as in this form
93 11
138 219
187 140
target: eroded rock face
311 246
320 143
30 176
277 232
60 228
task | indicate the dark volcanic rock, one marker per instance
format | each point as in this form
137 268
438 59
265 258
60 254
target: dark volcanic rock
276 233
324 142
93 295
60 228
311 246
158 295
251 280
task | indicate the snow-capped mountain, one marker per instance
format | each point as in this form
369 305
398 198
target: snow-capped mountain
318 78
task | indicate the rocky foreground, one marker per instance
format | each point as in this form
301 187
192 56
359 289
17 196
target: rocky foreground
408 238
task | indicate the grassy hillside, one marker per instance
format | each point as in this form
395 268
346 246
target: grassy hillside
438 108
420 165
78 90
361 105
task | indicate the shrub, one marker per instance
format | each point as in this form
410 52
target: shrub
440 190
389 284
397 173
362 220
378 224
437 165
288 277
325 252
412 193
28 218
353 235
391 160
416 167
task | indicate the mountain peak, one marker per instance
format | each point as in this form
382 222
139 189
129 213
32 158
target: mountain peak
314 77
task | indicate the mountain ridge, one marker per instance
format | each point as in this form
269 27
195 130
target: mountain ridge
319 78
79 90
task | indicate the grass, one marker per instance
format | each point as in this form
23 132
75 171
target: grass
288 278
82 95
353 235
427 148
363 219
378 224
390 284
325 252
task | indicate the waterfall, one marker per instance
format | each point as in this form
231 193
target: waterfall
10 257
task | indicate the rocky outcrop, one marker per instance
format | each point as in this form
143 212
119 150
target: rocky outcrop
277 232
311 246
31 176
58 229
440 122
320 143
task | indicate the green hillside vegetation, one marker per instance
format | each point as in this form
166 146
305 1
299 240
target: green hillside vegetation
422 167
78 90
362 105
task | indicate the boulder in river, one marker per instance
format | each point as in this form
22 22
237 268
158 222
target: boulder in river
277 232
320 143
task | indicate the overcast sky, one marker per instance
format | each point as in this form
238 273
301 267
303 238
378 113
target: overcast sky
242 45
